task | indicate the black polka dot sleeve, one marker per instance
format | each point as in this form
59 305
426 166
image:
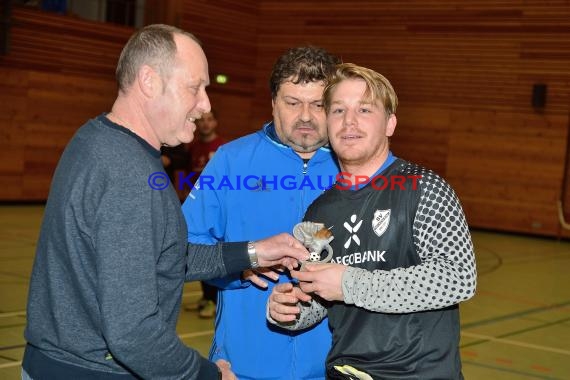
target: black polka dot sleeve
447 273
311 313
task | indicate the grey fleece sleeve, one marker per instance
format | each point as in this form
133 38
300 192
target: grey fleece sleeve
205 262
447 273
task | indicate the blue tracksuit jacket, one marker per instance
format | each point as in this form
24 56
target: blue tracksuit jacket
253 188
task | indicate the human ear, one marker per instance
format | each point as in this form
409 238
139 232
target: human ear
391 125
148 80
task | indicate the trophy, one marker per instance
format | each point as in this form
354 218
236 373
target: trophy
316 237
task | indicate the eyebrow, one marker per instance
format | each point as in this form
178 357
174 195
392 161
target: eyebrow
291 97
361 103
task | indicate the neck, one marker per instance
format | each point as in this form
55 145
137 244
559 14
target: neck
306 155
134 121
367 168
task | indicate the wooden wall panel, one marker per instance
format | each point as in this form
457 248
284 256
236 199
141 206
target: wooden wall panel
58 72
427 130
463 72
43 111
233 113
45 41
517 170
228 30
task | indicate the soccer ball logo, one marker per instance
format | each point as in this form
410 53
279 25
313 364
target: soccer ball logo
314 256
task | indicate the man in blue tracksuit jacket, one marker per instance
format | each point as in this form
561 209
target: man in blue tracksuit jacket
257 186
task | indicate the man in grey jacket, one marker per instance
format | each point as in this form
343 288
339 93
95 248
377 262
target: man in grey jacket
112 255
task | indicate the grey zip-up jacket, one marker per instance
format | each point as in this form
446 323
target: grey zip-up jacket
110 266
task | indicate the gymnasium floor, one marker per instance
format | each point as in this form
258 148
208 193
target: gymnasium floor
516 327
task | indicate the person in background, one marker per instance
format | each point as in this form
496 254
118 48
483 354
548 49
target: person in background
280 160
403 257
201 150
176 160
113 253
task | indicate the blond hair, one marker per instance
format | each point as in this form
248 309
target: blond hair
377 86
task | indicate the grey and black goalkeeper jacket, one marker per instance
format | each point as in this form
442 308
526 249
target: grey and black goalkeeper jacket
410 262
110 266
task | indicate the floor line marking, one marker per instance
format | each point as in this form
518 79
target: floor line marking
20 313
509 370
534 328
11 364
516 343
515 315
196 334
181 336
192 293
512 298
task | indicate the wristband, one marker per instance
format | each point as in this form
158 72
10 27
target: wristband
252 254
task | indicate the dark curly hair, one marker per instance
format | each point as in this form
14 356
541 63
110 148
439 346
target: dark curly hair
302 64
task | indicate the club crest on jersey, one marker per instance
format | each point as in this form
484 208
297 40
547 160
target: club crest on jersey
380 221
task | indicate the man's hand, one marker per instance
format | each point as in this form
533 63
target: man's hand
325 280
283 302
254 275
224 367
281 249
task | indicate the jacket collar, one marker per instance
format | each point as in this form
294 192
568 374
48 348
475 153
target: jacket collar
271 133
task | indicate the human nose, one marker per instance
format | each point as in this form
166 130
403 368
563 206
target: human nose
204 102
349 118
306 113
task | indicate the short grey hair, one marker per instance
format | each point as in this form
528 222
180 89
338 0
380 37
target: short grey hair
152 45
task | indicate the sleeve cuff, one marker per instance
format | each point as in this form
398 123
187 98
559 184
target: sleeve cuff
208 370
268 316
235 257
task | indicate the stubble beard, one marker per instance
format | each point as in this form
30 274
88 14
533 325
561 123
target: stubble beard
306 143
